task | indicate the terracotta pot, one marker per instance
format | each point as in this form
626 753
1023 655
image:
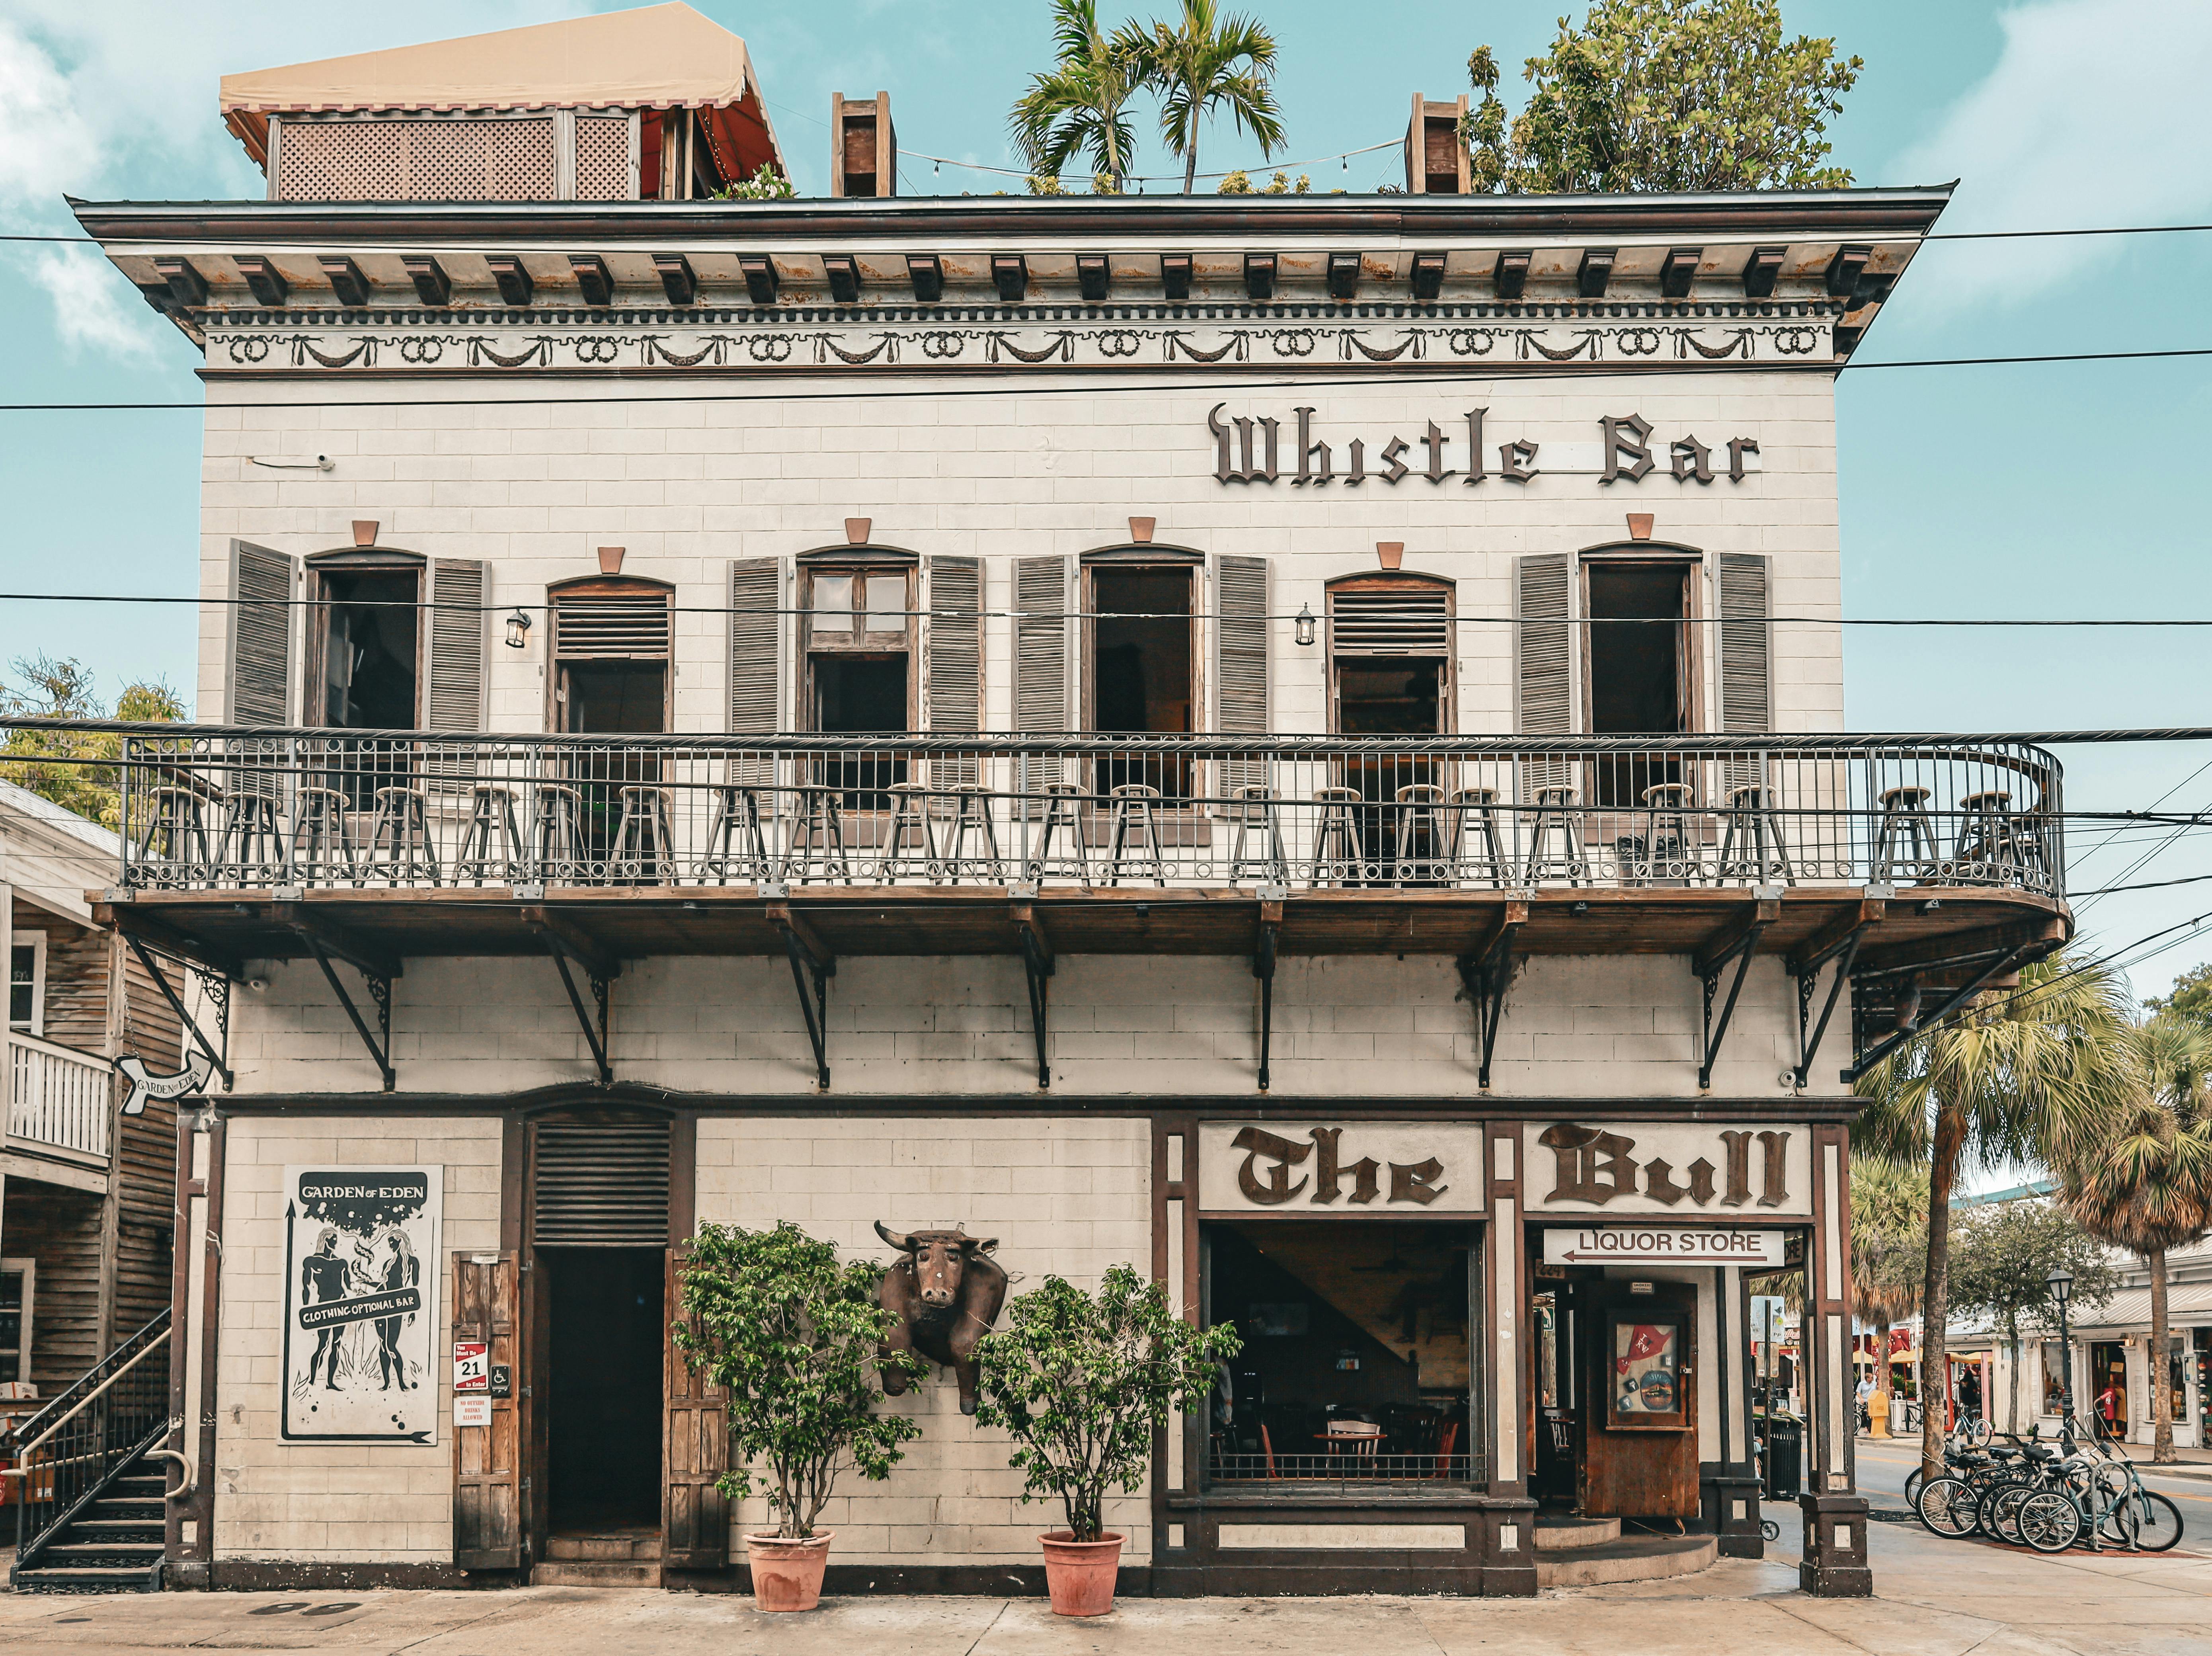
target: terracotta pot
1392 552
1079 1574
786 1573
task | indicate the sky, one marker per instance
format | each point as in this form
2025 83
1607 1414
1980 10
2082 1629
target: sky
2060 490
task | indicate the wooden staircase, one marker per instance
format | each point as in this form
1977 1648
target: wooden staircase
114 1544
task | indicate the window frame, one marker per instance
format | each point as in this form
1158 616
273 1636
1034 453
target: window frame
1692 704
357 560
27 1268
1146 558
867 564
604 586
36 941
1389 580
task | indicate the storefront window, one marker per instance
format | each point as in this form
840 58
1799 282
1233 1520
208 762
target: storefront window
2054 1378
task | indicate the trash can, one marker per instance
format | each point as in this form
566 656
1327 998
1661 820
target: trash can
1785 1457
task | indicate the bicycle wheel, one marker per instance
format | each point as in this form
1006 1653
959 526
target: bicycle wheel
1947 1507
2161 1526
2049 1522
1912 1482
2000 1511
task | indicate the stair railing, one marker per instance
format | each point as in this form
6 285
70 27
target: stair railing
67 1454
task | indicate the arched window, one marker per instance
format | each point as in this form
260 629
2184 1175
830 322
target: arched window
1391 655
364 667
611 655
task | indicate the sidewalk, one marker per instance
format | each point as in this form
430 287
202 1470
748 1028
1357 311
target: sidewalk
1934 1598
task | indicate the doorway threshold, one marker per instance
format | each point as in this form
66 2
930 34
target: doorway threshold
612 1555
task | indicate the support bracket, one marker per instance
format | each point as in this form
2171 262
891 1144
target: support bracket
217 988
2007 961
1039 962
1839 942
1263 968
1486 971
380 990
339 942
1737 942
595 1029
810 959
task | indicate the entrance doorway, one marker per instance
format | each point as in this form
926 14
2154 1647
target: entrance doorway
2108 1386
1613 1369
603 1387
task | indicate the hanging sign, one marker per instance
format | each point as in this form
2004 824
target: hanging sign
1637 1245
361 1293
145 1084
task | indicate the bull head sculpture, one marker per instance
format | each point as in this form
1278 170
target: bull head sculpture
946 1292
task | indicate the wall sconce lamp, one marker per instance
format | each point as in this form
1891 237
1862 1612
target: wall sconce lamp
517 630
1305 633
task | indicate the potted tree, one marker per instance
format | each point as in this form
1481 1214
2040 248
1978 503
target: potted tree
1081 1382
792 1336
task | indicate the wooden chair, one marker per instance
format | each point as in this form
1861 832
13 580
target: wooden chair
1360 1439
1444 1447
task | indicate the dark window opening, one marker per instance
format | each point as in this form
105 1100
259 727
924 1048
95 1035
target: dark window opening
1141 679
1377 697
604 1424
614 698
369 648
1355 1363
861 695
1639 675
611 654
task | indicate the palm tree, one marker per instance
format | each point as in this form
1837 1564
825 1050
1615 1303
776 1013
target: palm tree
2022 1074
1889 1204
1208 59
1075 107
2146 1184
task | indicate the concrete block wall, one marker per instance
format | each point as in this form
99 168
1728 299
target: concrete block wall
332 1503
1596 1026
1067 1197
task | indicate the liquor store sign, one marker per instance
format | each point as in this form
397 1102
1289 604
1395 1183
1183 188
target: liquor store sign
1636 1244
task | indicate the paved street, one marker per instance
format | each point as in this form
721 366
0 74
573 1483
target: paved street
1936 1599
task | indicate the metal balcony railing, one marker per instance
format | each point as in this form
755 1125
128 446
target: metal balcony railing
235 810
57 1096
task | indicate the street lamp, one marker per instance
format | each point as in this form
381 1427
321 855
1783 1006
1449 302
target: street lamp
2061 1284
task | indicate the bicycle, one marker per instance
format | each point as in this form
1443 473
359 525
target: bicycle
2134 1516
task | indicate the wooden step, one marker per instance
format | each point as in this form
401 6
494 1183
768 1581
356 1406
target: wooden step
617 1546
93 1549
122 1529
84 1577
1559 1533
595 1572
1636 1558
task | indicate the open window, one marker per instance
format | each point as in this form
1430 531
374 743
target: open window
1140 673
1390 674
18 1282
858 660
27 982
365 640
611 655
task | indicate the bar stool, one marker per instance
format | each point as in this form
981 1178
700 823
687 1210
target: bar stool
1906 839
820 823
1667 841
1984 849
1477 808
252 850
1420 817
491 844
736 848
1751 847
643 840
400 844
971 821
176 850
1136 816
1254 805
322 838
556 836
909 825
1556 819
1063 814
1337 860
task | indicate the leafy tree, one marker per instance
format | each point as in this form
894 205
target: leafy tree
1075 108
794 1336
2026 1075
2190 997
1204 62
2001 1257
76 769
2146 1184
1081 1382
1665 94
1889 1248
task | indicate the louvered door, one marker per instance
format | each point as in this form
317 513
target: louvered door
599 1184
695 1514
1543 661
488 1459
952 660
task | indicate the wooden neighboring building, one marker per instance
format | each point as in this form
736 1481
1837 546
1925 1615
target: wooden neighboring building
89 1217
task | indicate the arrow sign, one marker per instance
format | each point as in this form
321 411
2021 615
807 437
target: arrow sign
145 1084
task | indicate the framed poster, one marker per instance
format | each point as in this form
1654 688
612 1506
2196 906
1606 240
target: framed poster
361 1305
1648 1367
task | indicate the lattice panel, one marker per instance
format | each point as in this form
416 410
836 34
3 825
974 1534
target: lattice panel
603 171
416 161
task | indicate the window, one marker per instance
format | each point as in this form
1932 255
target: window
2054 1379
365 661
1390 655
611 656
1640 670
860 679
17 1279
1142 677
26 982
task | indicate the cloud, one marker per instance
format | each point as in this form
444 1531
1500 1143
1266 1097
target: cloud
2091 116
87 296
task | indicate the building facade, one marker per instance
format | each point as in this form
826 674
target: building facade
1290 741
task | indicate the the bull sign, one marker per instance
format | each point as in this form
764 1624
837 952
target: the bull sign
945 1295
145 1084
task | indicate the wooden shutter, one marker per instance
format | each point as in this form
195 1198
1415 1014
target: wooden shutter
259 690
628 626
454 697
756 659
695 1514
1746 684
1543 653
488 1459
600 1184
1406 621
952 659
1240 661
1044 685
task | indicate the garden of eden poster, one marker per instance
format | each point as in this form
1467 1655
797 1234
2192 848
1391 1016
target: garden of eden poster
361 1305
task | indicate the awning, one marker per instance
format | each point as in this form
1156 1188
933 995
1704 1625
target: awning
2128 1310
664 56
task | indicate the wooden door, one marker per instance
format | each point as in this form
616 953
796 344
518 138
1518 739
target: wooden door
1631 1469
488 1459
695 1514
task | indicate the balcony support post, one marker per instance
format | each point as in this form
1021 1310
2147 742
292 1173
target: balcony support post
380 990
1485 973
1838 942
1737 942
810 959
2007 961
210 982
1039 961
1263 968
566 943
